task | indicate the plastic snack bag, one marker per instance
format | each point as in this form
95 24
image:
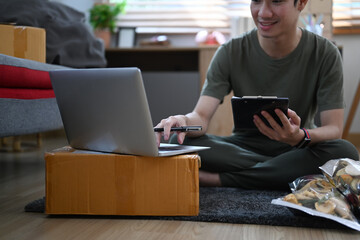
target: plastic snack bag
344 174
316 196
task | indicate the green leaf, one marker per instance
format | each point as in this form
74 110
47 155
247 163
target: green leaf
103 16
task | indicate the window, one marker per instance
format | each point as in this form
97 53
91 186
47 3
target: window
346 16
188 16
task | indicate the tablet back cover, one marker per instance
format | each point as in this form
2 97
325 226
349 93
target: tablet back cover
244 108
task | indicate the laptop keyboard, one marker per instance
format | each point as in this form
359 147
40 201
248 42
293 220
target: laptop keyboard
170 148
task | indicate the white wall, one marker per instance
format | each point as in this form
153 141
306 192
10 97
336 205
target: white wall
351 60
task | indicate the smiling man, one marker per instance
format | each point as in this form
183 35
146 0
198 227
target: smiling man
275 59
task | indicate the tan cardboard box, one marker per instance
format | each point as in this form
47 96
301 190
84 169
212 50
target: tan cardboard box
82 182
23 42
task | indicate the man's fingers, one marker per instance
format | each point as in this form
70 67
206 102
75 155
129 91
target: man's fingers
181 137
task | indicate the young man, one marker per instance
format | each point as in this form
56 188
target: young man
276 59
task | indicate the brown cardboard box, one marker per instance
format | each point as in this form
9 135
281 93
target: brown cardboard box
82 182
23 42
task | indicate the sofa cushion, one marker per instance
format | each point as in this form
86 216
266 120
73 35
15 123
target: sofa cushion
21 77
26 93
25 79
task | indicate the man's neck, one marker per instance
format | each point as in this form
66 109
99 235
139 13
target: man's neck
281 46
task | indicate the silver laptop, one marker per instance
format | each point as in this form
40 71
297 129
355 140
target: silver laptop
106 109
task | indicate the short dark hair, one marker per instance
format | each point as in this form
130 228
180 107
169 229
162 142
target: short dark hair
295 1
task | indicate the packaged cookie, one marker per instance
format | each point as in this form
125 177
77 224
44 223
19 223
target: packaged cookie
315 192
344 174
316 196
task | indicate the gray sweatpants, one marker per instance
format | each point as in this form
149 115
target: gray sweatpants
256 162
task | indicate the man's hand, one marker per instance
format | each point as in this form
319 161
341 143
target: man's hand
200 116
167 124
289 133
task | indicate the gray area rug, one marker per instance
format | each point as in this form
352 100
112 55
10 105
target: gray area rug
232 205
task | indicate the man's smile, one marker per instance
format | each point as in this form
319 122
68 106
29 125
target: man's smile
266 25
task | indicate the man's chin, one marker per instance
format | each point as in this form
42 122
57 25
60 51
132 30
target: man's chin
265 34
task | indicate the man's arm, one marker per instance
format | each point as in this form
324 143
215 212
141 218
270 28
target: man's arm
200 116
331 126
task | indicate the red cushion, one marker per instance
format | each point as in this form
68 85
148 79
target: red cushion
26 93
20 77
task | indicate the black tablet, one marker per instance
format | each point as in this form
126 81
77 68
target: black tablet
244 108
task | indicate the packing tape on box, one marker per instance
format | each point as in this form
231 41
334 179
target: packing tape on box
20 41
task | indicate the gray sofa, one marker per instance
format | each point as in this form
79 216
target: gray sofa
21 116
69 42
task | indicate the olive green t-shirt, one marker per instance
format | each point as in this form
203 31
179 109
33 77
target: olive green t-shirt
311 76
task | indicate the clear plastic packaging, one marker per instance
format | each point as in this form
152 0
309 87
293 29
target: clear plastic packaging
316 196
344 174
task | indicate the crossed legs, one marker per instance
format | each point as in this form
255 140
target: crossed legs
229 163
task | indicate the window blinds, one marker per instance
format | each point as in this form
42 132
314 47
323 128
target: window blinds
193 15
346 15
182 16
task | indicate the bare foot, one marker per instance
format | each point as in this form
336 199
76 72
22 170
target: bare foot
208 179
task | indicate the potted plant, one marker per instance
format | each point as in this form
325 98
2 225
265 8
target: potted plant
103 19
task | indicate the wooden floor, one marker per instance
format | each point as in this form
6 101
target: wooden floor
22 180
